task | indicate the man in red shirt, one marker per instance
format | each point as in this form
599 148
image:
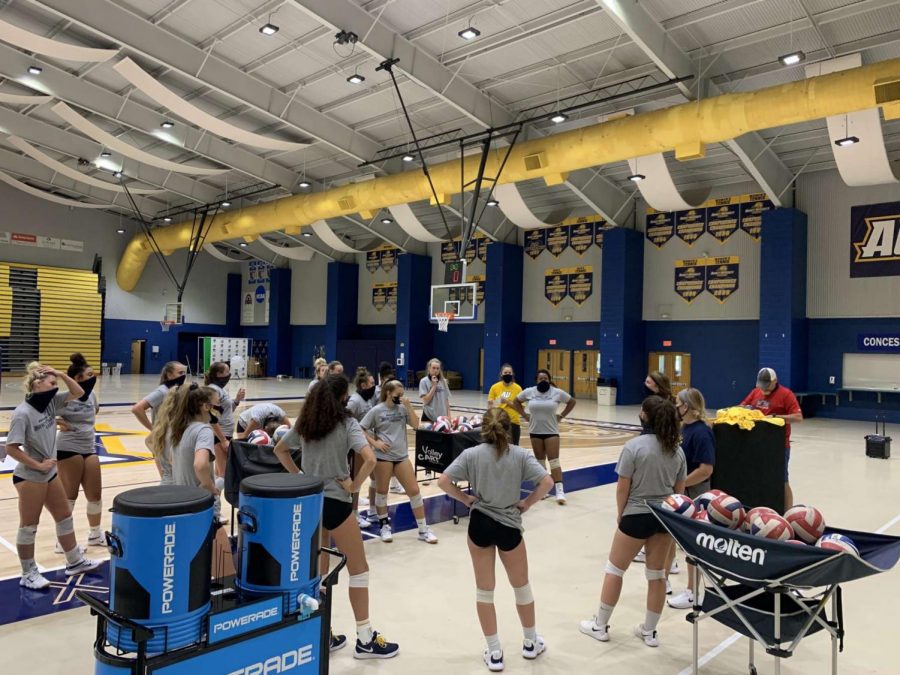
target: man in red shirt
775 400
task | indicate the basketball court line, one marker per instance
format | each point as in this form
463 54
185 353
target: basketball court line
15 552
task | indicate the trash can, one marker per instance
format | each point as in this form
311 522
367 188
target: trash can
606 395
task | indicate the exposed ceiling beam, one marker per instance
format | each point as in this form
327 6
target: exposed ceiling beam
117 23
420 66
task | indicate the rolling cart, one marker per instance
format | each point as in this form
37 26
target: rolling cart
435 451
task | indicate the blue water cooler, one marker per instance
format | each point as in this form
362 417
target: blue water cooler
279 520
161 555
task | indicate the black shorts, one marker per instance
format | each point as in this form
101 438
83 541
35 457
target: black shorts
484 532
65 454
335 512
390 461
641 526
239 428
426 418
19 479
543 437
516 432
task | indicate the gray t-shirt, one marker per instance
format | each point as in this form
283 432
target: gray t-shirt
440 404
155 399
312 384
497 482
652 471
198 437
542 409
260 413
359 407
35 433
388 424
80 416
327 458
226 417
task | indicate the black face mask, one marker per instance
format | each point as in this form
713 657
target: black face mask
219 409
175 382
222 381
88 386
213 419
543 386
366 394
507 378
41 399
396 400
648 391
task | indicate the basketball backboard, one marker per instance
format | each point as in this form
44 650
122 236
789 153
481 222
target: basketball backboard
460 299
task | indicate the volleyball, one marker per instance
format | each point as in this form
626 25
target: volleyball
462 419
838 542
464 426
680 504
753 513
426 426
280 432
259 437
807 523
796 542
701 514
702 502
476 421
726 511
771 526
442 425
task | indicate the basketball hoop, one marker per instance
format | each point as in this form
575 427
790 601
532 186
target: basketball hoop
443 320
166 325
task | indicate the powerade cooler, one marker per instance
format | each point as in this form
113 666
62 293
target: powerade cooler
279 520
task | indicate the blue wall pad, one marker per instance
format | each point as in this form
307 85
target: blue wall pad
414 333
341 305
459 349
503 324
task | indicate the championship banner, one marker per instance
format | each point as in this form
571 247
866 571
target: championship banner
535 242
875 240
379 296
581 283
581 236
470 252
722 276
557 239
599 229
752 209
659 228
690 278
449 251
388 259
479 291
722 218
690 225
556 285
373 261
481 248
392 296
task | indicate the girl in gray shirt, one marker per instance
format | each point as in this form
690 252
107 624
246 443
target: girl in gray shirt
217 378
31 441
79 465
361 402
434 392
651 467
173 374
495 471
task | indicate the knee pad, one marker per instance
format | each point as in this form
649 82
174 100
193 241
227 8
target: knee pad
523 595
65 526
95 508
380 499
71 505
615 571
654 575
417 501
484 596
554 463
26 535
359 580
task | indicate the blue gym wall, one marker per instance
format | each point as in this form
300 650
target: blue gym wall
119 333
458 349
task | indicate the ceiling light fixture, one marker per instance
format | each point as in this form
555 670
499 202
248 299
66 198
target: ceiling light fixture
105 154
408 158
559 117
636 177
387 221
226 204
268 28
793 58
117 174
306 234
121 230
35 70
844 142
243 244
356 78
305 183
469 33
167 124
493 202
167 219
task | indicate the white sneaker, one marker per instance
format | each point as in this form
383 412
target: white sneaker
98 540
674 569
83 565
641 557
427 481
363 501
591 628
34 580
684 600
531 650
396 488
560 496
649 637
668 587
387 535
363 522
493 660
428 536
372 517
57 548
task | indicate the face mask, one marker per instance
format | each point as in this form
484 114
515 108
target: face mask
366 394
41 399
222 381
175 382
88 386
507 378
543 386
213 419
648 391
396 400
219 409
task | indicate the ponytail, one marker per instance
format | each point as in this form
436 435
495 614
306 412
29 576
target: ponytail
663 419
496 430
159 433
78 366
181 406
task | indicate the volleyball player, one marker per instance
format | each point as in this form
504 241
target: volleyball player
173 374
386 373
361 402
495 470
31 442
76 455
386 425
434 392
218 376
543 401
651 467
326 431
190 438
259 416
501 394
323 370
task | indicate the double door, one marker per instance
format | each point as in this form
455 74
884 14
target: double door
568 368
674 365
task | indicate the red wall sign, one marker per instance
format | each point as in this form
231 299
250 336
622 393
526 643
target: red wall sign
551 342
667 343
589 343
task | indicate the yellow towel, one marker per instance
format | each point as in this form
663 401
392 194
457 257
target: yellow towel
745 418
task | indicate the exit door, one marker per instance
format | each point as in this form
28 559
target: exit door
674 365
137 357
586 369
559 363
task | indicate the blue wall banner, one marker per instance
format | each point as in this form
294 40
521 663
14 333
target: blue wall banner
481 248
751 213
581 237
479 293
373 261
556 284
379 295
690 225
392 296
659 228
557 239
690 278
449 251
535 242
388 259
722 275
878 342
875 240
722 218
581 283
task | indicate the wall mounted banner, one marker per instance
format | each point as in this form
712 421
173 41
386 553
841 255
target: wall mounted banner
581 283
481 248
38 241
373 261
722 218
556 285
449 251
384 295
470 252
392 297
258 271
878 342
722 276
384 256
581 237
659 228
579 233
875 240
690 278
535 242
479 292
388 259
557 239
690 225
751 213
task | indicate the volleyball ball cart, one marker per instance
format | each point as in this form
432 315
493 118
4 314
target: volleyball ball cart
773 592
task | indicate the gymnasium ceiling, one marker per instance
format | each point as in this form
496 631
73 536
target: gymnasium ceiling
293 85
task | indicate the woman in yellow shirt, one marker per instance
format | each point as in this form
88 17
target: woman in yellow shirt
503 392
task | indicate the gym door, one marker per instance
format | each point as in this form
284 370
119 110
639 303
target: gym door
559 363
586 371
137 356
674 365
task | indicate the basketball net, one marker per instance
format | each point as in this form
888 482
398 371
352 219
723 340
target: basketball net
443 320
166 325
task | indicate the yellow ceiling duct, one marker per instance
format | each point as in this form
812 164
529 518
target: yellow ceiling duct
688 126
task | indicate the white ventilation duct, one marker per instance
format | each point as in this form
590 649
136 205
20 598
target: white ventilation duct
302 253
48 196
404 217
327 235
23 99
38 44
218 255
657 187
518 212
